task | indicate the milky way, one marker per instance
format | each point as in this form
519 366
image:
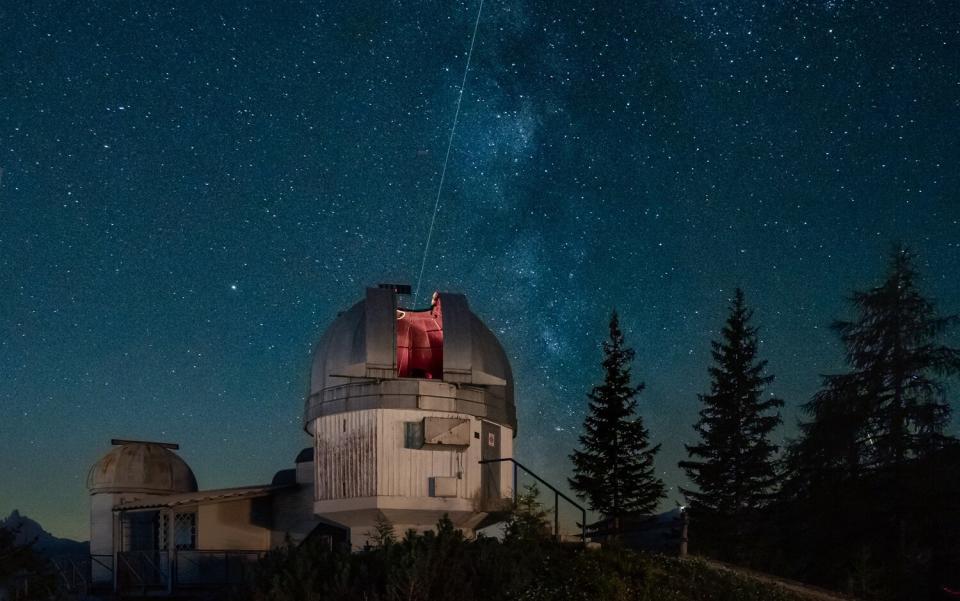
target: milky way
190 194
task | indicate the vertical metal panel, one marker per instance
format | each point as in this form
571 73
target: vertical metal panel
490 449
506 467
346 455
457 337
316 459
381 326
471 461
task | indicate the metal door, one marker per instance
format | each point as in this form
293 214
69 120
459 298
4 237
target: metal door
490 472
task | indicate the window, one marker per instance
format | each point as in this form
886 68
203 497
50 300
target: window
185 531
412 435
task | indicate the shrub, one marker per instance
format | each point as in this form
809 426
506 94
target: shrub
442 565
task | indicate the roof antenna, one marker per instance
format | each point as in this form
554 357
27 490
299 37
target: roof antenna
446 159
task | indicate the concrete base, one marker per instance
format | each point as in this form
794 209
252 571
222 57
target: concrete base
418 514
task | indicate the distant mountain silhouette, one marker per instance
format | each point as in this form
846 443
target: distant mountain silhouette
46 543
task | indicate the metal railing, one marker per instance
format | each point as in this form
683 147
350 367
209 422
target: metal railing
183 568
557 495
80 575
143 570
214 568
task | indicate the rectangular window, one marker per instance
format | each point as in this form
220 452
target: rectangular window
185 531
413 435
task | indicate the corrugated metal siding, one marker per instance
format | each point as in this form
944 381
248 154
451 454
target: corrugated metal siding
404 472
346 459
370 458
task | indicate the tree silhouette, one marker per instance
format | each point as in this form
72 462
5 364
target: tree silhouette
614 467
734 464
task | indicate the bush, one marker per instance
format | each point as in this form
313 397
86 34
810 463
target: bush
24 574
442 565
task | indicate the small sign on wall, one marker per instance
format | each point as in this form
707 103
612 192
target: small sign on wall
491 439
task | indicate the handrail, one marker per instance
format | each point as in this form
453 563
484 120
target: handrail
93 558
65 566
148 561
557 494
122 557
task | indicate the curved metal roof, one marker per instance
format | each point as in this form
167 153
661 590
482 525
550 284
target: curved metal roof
358 352
141 467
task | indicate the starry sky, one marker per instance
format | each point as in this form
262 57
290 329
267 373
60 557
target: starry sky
191 191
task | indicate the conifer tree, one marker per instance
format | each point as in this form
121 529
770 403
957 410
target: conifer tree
830 448
527 522
22 569
734 464
876 428
891 406
614 468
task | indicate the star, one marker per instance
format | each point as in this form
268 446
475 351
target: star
605 158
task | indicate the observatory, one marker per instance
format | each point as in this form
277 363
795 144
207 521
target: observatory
404 404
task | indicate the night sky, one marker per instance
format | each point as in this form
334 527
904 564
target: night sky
190 194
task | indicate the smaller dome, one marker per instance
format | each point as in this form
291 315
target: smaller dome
141 467
305 456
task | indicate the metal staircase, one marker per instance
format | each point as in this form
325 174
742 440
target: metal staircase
557 495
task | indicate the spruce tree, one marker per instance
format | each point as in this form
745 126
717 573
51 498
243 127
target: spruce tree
891 406
614 468
830 448
869 453
734 464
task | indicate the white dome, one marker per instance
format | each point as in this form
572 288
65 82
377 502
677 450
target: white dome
376 343
141 467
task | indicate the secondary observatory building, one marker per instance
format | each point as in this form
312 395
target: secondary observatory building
404 404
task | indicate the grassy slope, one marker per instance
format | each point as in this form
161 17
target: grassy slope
673 579
445 567
696 579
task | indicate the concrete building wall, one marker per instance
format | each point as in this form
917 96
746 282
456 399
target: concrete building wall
241 524
101 524
305 473
292 514
102 536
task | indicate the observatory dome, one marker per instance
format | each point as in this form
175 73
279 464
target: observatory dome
378 354
141 467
